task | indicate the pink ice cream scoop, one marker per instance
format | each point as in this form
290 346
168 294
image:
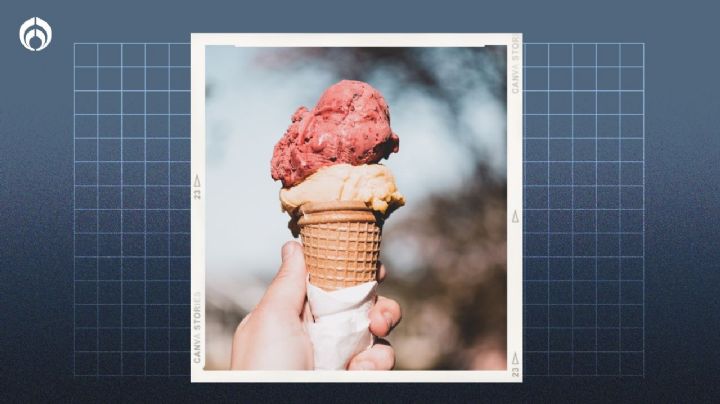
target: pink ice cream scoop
350 124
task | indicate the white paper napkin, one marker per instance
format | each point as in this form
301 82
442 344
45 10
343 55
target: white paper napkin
340 327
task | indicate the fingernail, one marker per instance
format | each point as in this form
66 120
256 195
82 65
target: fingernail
287 250
365 365
388 319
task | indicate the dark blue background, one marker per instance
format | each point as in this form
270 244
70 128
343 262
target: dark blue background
682 186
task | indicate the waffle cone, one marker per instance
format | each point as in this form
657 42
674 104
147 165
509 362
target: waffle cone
341 241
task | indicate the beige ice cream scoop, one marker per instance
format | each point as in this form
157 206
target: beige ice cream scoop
372 184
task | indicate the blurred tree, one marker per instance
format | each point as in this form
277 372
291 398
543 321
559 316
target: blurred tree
462 269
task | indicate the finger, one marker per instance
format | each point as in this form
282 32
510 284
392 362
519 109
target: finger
384 316
382 272
236 341
244 321
380 356
287 290
307 314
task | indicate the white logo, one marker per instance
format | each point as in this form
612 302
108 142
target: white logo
38 29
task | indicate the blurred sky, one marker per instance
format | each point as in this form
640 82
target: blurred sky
248 109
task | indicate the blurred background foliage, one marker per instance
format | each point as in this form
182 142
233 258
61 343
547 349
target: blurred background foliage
446 250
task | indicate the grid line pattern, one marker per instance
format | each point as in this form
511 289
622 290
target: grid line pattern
584 182
131 209
584 209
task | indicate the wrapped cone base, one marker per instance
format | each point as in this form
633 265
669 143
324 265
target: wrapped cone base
341 241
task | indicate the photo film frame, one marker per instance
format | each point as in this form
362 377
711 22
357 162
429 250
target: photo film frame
514 74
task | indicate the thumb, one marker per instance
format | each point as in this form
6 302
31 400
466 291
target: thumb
287 290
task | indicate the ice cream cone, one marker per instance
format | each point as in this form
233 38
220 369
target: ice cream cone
341 241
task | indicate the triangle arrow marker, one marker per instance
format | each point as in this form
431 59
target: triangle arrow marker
515 360
196 184
515 217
